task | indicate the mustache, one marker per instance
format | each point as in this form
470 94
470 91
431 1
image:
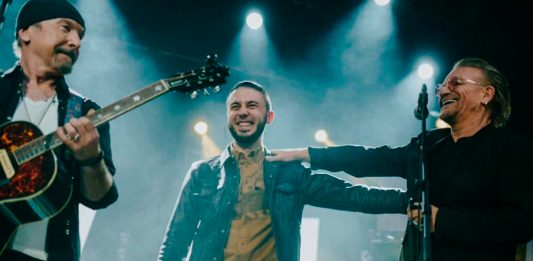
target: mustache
73 54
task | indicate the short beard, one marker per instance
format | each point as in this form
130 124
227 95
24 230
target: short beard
65 69
448 118
246 141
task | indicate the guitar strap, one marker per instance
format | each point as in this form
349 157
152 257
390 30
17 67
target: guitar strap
74 107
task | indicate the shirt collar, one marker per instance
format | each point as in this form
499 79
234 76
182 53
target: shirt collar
257 154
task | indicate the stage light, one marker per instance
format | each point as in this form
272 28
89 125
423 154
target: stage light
321 136
254 20
425 71
209 147
200 128
382 2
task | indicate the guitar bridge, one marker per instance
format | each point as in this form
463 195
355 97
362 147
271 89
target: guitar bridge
7 168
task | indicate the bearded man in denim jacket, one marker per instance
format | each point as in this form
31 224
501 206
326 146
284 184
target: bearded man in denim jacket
237 206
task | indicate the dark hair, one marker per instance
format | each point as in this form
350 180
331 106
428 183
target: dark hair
256 86
501 104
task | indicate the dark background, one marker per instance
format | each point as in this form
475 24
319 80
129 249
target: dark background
320 71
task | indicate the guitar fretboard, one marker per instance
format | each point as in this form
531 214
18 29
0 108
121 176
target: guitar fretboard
48 142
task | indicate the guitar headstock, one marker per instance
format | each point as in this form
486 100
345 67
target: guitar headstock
211 75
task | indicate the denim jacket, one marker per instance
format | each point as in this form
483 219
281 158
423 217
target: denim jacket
205 207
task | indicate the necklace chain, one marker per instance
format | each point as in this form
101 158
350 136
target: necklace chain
43 112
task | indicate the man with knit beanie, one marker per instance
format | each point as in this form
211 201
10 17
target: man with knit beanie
48 40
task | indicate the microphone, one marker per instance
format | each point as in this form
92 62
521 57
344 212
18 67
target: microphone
421 111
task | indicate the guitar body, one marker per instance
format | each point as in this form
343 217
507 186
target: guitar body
36 191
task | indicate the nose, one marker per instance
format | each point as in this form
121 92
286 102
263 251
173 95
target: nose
74 39
243 112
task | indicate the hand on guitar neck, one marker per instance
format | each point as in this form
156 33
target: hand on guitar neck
81 137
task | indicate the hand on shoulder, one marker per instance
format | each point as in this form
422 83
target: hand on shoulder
288 155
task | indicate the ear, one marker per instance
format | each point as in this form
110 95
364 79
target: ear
488 94
24 35
270 117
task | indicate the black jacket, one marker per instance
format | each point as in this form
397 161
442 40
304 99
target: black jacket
482 185
62 240
205 207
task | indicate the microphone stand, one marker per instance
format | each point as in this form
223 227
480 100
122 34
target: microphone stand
3 8
422 184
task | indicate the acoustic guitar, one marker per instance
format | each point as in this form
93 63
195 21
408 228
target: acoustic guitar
31 188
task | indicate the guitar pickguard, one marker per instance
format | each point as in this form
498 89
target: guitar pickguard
30 177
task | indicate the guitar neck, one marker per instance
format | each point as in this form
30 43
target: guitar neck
48 142
129 103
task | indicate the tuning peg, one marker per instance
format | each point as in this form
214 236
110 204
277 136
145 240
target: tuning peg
206 92
194 94
216 89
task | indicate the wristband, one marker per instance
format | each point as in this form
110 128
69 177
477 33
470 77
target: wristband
93 161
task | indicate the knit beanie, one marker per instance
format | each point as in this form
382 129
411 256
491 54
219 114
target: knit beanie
35 11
